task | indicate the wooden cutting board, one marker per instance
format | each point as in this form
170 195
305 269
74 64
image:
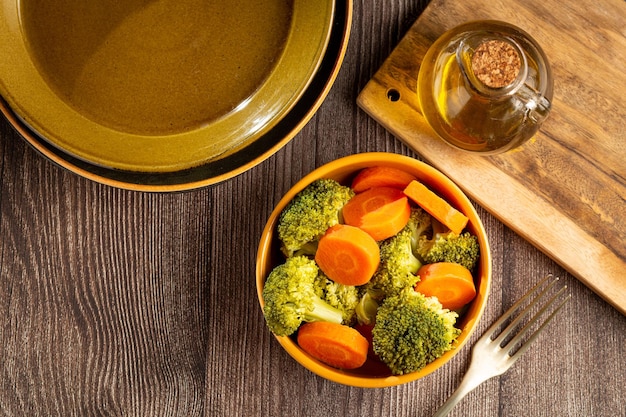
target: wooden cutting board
565 190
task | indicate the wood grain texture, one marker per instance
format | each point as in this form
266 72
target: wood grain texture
87 273
565 190
119 303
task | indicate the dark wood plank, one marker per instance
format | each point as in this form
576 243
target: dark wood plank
100 294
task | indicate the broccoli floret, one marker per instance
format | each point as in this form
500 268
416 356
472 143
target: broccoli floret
398 266
449 247
343 297
311 212
290 297
421 224
411 331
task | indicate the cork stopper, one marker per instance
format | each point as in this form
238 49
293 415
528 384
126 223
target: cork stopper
496 63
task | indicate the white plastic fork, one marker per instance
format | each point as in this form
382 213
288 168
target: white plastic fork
493 354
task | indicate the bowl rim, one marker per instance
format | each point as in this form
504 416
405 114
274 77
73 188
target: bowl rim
346 167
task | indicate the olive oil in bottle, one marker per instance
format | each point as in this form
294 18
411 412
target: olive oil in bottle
485 87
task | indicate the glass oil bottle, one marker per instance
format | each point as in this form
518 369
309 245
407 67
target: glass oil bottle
485 86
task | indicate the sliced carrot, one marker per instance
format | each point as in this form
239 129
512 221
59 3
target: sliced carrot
436 206
381 176
451 283
337 345
380 211
347 255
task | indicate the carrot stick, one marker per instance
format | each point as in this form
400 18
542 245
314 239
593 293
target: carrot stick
380 211
347 255
436 206
451 283
381 176
337 345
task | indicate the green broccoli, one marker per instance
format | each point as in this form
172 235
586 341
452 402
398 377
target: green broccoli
398 266
343 297
411 331
311 212
421 224
290 296
449 247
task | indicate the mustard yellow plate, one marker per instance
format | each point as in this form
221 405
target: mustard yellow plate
163 86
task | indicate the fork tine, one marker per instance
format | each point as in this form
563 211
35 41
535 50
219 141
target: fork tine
532 338
509 329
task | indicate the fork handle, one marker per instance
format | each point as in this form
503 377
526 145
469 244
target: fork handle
471 380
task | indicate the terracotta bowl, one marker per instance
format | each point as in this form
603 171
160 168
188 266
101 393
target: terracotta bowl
372 374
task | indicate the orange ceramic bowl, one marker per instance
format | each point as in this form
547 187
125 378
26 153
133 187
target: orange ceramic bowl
372 374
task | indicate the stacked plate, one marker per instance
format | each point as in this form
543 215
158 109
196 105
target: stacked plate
166 95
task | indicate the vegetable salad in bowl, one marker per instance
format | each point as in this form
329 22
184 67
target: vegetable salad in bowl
373 270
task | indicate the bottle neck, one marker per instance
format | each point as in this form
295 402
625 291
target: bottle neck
496 68
492 66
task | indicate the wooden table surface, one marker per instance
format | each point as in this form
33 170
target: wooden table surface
121 303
